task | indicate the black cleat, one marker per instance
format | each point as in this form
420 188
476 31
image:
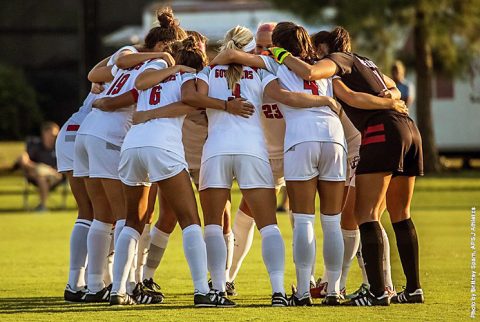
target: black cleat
365 298
305 300
230 288
121 299
361 289
331 300
406 297
279 300
70 295
211 299
152 287
101 296
142 296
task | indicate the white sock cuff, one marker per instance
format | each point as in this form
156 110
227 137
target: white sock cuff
350 233
188 229
101 226
228 236
159 238
129 231
269 230
243 218
384 233
330 218
120 222
83 222
212 230
304 218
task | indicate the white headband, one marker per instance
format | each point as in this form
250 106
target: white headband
250 46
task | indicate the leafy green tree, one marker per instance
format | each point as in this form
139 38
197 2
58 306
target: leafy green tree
19 112
445 36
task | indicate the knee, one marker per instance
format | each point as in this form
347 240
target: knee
398 213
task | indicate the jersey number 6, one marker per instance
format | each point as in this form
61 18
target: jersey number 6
155 95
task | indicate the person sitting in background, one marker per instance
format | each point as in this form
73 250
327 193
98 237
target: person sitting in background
39 162
406 88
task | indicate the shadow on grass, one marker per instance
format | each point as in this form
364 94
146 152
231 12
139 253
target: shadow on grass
17 305
8 211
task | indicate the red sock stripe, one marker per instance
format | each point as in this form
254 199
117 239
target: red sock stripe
374 139
375 128
73 127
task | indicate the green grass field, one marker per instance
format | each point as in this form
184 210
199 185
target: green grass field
34 265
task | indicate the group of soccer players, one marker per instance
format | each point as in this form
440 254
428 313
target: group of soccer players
277 108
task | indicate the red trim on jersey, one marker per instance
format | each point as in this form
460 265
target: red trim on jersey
375 128
374 139
134 93
72 127
212 66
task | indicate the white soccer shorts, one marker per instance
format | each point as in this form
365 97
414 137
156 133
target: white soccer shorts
65 147
307 160
251 172
145 165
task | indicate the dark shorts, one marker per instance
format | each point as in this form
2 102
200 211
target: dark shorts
393 144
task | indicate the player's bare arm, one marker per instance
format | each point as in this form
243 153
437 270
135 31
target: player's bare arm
197 96
366 101
171 110
110 104
324 68
127 58
231 56
152 77
299 100
101 73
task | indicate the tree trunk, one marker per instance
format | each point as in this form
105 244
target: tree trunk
424 71
89 42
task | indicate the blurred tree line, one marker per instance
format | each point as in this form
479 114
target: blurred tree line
444 33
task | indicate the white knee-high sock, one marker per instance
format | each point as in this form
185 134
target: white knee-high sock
108 273
387 270
303 250
230 244
78 254
196 254
243 229
98 244
143 246
131 279
119 224
124 255
273 253
216 255
312 274
158 244
333 250
351 240
361 264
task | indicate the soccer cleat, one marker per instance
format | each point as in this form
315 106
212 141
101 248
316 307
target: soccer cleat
230 288
305 300
362 288
279 300
152 287
366 298
142 296
101 296
210 283
122 299
211 299
343 293
70 295
319 291
331 300
406 297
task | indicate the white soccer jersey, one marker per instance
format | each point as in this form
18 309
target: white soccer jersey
232 134
165 133
273 127
81 114
113 126
306 124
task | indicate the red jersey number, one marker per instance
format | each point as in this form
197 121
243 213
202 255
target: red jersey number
272 111
311 85
117 86
235 92
155 95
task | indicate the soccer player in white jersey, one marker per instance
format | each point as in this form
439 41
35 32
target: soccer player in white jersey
97 153
161 160
315 159
75 290
225 156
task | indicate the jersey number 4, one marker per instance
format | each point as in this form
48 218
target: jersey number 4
155 95
272 111
119 83
311 85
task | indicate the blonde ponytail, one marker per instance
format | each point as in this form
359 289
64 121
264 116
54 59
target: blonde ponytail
236 38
